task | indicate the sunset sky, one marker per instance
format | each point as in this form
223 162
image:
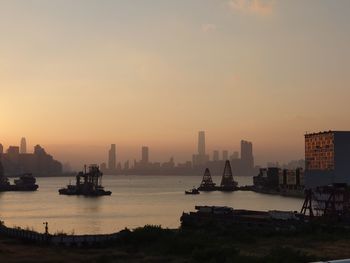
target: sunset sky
78 75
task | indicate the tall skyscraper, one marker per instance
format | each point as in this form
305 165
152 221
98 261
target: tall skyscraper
144 154
247 154
201 143
23 148
200 159
224 155
215 156
1 149
112 159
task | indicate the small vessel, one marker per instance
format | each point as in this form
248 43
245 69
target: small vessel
207 183
26 182
87 184
193 191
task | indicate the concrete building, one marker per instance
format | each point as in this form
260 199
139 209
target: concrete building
201 158
247 158
201 143
327 158
23 146
145 155
38 163
112 158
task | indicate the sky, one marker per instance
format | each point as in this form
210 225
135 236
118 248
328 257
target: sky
76 76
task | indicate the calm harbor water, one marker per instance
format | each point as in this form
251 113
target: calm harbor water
135 201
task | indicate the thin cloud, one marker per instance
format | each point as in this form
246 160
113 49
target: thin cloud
208 28
258 7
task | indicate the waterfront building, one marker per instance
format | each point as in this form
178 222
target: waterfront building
38 163
247 154
327 158
23 146
112 159
267 178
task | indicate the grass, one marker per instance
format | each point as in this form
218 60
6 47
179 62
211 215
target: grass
207 244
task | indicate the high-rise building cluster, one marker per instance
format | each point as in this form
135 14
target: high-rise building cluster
200 161
16 160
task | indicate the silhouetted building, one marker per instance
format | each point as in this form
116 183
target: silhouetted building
23 146
215 156
38 163
201 143
201 158
268 178
112 159
224 155
247 154
144 155
327 158
1 149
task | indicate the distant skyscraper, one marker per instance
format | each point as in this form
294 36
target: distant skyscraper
23 148
247 154
1 149
224 155
201 158
112 159
144 154
215 156
201 143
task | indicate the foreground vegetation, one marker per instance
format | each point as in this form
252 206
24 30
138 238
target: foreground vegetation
207 244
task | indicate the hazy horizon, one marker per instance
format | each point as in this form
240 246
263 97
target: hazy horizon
76 76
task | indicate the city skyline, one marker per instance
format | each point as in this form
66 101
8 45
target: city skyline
200 158
157 75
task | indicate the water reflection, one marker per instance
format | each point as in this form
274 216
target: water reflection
135 201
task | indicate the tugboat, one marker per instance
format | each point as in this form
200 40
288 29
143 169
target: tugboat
193 191
25 183
207 183
87 184
227 182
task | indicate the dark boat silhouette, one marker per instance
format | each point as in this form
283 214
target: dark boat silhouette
87 184
26 182
193 191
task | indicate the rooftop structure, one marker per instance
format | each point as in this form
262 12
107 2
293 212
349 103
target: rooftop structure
327 158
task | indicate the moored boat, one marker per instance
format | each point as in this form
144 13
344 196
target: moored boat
193 191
